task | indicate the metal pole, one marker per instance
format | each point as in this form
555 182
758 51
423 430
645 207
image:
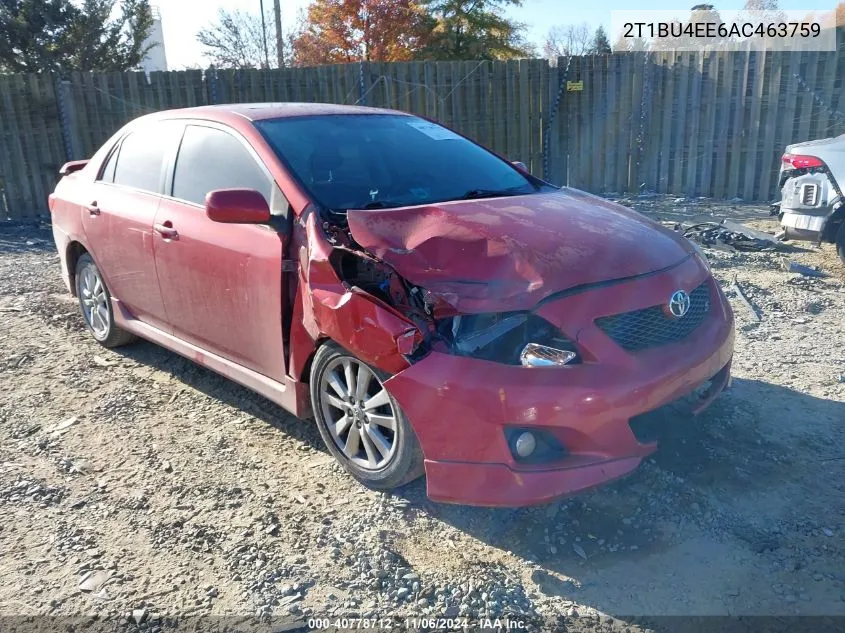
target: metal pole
277 11
264 36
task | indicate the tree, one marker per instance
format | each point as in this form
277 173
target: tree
564 41
60 35
601 43
99 43
475 29
361 30
236 40
770 10
630 44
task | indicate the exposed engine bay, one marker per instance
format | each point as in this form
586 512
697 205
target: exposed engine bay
500 337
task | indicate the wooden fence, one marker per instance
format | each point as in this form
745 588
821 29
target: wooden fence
692 124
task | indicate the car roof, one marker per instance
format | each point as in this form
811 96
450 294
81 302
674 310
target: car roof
259 111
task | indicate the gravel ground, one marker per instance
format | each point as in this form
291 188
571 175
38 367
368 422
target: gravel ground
140 488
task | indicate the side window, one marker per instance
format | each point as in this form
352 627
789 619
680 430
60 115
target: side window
111 163
141 157
213 159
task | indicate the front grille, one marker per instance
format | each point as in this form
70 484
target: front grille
650 327
810 195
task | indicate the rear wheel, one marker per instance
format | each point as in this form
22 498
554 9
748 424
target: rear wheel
95 303
360 422
840 242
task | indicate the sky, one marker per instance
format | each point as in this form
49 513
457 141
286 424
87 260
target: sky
181 19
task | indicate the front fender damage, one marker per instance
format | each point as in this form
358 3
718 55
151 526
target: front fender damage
348 296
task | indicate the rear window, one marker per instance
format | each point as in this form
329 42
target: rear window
141 158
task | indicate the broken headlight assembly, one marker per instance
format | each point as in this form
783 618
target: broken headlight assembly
513 338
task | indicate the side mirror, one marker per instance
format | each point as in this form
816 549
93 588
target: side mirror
520 165
237 206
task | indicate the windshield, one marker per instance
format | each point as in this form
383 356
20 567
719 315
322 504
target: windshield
353 161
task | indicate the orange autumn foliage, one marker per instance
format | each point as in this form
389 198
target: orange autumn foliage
337 31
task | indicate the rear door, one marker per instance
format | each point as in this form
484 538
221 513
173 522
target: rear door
118 218
221 283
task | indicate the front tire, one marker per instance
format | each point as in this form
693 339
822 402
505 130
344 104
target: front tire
95 304
360 422
840 242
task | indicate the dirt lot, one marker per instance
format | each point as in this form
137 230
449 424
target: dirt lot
138 486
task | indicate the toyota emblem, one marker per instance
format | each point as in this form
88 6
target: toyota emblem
679 304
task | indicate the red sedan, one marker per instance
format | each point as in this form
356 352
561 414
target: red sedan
437 309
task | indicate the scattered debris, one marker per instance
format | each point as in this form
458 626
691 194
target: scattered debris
730 234
580 551
62 427
320 461
795 267
739 293
92 581
99 361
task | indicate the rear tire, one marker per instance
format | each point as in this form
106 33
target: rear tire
840 241
95 304
360 422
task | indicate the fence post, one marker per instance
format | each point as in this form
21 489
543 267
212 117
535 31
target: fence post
211 79
362 94
67 119
561 88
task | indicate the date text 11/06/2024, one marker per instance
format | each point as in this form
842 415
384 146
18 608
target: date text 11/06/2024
422 623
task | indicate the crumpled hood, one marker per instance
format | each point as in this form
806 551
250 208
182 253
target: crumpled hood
505 254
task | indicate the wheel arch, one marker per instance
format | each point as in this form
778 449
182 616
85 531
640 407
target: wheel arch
74 251
833 224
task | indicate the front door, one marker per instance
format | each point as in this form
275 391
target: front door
221 283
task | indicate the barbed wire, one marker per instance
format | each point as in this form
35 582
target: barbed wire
835 113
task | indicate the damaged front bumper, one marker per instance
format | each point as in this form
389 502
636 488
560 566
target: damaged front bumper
462 409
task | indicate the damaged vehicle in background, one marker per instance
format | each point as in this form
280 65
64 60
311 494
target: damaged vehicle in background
437 309
812 206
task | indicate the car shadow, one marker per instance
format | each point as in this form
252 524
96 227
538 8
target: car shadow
224 390
685 517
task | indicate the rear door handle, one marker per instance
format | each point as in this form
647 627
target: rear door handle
167 232
93 209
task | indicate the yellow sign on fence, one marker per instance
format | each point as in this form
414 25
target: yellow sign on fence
574 86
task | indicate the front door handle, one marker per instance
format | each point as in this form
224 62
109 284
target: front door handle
93 209
166 230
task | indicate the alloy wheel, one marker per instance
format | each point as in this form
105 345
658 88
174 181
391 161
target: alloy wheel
358 413
95 308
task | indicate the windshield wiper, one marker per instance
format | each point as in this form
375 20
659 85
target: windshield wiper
475 194
381 204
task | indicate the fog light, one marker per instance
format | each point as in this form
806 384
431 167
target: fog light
536 355
525 444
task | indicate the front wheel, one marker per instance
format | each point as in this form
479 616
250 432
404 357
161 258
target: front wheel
95 303
840 242
360 422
